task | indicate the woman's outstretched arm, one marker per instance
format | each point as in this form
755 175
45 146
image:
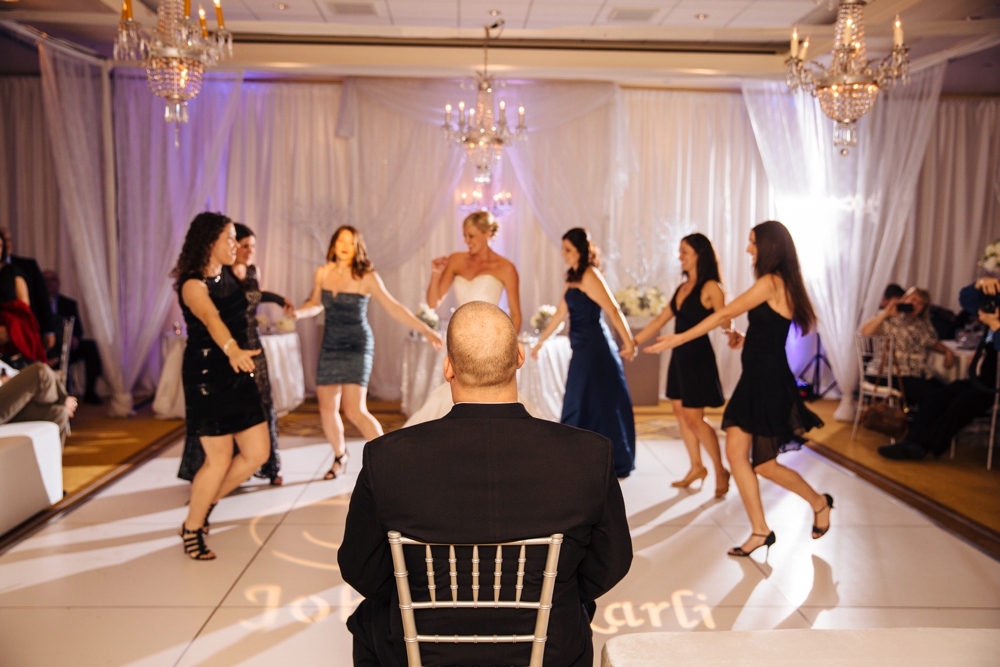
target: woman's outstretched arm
314 304
397 311
561 311
442 275
593 285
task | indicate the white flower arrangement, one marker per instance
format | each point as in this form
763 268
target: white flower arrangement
263 322
428 316
641 302
542 317
991 257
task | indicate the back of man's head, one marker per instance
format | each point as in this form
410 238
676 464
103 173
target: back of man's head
482 347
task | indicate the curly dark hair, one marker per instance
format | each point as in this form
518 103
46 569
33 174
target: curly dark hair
590 255
203 232
361 264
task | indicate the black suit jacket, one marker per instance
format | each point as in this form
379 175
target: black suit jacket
36 292
489 473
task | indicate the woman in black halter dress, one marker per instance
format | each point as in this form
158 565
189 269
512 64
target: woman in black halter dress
766 411
223 406
692 377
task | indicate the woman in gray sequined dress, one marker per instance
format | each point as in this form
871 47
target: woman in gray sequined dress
342 288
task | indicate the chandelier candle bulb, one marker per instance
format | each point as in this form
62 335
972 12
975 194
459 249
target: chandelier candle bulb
845 40
201 20
804 49
795 43
124 11
503 112
187 9
520 116
897 32
218 13
447 115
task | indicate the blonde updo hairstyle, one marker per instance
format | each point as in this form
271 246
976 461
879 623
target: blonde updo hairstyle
484 222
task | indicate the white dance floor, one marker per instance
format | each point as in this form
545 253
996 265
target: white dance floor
109 584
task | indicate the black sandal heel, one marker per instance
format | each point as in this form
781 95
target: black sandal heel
818 532
769 539
194 544
342 460
206 525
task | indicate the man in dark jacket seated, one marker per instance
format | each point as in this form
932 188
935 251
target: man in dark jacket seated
487 472
952 407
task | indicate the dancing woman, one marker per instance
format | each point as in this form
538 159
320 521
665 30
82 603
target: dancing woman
693 377
343 287
247 273
766 410
222 399
597 398
477 275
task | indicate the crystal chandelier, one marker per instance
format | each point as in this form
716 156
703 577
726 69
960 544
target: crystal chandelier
499 204
848 87
176 55
484 135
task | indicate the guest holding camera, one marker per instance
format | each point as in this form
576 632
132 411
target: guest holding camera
950 408
907 321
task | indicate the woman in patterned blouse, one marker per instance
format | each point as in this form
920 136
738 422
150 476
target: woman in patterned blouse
914 338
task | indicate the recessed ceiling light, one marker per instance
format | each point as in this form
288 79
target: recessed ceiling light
494 12
701 17
280 5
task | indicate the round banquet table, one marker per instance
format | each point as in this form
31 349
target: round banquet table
284 367
542 381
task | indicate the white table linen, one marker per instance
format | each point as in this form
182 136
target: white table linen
284 366
959 370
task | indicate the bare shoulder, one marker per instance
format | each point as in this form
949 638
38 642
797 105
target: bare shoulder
457 260
506 266
712 288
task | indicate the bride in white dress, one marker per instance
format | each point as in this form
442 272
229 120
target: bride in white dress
478 275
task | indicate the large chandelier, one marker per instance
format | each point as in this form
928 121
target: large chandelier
483 134
499 204
848 87
176 55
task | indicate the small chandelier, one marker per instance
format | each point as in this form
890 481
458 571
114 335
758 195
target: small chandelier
848 87
176 55
499 204
482 134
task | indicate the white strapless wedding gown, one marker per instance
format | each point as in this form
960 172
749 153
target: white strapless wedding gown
483 287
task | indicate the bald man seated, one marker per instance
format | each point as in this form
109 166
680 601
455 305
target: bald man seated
487 472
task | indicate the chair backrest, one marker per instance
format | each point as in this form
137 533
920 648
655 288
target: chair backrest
67 339
871 350
542 606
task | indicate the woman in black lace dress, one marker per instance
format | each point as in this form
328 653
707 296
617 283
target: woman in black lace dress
766 410
223 405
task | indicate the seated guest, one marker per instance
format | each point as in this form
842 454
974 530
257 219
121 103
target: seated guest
20 344
36 288
950 408
907 321
36 394
79 348
892 291
487 472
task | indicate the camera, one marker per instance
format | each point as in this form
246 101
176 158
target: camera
904 307
988 303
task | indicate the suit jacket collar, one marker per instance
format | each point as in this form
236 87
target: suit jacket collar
488 411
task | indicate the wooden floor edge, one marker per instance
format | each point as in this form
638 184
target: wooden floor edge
982 537
78 497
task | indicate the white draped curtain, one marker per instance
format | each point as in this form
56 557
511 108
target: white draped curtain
76 94
957 208
846 214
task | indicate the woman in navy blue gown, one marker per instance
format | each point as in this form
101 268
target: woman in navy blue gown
597 398
766 411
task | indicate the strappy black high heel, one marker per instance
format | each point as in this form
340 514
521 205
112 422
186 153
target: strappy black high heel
205 526
342 460
194 544
769 540
817 531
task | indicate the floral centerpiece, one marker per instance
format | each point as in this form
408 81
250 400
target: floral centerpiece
428 316
263 323
991 257
542 317
641 302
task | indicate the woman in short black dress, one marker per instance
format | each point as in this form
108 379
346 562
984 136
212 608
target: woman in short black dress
692 377
343 287
766 411
223 406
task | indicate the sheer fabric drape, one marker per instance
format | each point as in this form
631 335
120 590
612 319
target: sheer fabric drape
79 124
957 209
846 214
160 189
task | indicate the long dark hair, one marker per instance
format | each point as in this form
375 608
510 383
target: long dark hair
776 254
203 232
590 255
708 263
242 231
361 264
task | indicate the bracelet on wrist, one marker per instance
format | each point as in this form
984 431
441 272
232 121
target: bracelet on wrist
225 348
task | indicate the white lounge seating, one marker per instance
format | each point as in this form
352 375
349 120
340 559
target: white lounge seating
30 470
884 647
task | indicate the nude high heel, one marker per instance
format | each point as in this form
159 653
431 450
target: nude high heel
692 477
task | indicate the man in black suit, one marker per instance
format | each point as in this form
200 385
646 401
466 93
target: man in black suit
36 290
63 307
487 472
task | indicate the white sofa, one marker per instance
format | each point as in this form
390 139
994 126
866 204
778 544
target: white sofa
30 470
